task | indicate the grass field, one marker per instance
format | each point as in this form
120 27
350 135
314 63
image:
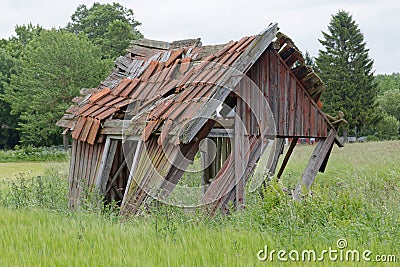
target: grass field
356 201
30 168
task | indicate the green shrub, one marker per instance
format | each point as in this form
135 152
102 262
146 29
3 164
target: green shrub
30 153
47 192
388 128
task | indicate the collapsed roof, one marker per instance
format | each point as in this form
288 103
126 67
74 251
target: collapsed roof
165 94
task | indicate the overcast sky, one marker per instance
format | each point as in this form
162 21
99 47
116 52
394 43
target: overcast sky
224 20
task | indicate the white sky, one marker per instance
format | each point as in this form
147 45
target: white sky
224 20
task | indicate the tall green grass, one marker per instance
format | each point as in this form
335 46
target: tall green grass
30 153
356 199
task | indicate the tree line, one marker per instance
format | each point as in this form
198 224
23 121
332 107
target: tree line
42 70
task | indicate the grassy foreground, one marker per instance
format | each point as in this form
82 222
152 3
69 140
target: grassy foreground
12 170
356 200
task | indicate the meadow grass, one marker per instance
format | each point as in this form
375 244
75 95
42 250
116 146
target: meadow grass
12 170
30 153
357 199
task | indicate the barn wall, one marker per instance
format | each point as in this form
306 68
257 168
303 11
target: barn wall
84 165
295 113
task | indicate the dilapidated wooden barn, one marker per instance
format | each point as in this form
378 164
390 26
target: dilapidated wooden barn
135 135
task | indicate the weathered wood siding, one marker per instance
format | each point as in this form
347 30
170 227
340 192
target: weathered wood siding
84 165
295 113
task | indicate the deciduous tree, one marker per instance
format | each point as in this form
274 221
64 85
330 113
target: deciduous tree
8 122
53 67
110 26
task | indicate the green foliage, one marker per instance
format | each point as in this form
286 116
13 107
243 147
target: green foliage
388 128
24 34
53 67
387 82
310 61
346 69
390 102
30 153
44 192
8 133
111 27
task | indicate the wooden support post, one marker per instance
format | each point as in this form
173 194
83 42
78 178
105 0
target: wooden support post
287 156
66 140
119 171
72 167
205 165
114 178
217 159
132 170
314 165
106 163
224 149
239 152
274 158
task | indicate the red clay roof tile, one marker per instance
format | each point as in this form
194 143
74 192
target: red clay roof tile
130 87
78 127
93 132
120 87
174 55
95 97
149 70
106 113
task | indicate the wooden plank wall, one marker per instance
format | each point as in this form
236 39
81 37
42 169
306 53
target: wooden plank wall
124 152
159 169
84 165
223 149
295 113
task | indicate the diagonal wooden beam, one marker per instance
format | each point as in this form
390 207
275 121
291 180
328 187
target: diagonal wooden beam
273 159
318 157
138 150
106 163
114 178
287 156
235 74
